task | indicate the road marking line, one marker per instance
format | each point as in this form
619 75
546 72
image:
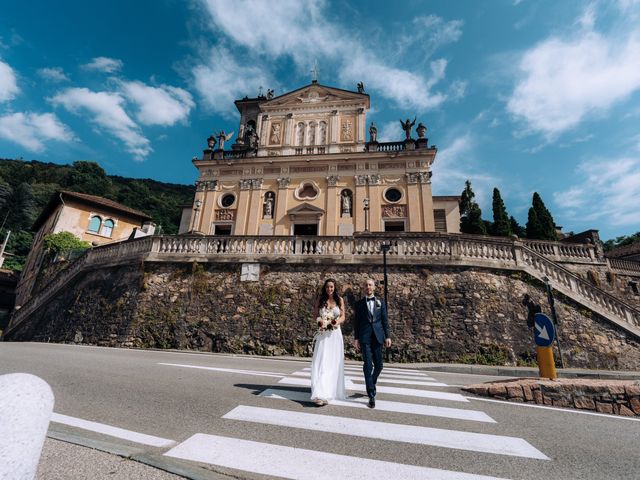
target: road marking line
297 463
227 370
384 374
396 372
387 406
557 409
437 437
409 392
112 431
381 379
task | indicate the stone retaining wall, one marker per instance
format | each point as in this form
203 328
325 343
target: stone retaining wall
437 314
619 397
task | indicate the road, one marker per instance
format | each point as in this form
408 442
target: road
215 416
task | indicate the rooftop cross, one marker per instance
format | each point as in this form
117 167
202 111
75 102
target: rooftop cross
314 72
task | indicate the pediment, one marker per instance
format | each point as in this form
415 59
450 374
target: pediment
305 209
314 95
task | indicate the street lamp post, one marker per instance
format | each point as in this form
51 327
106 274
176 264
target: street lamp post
365 201
385 248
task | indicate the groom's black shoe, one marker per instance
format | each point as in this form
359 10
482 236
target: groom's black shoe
372 402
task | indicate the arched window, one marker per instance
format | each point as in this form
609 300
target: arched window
107 228
94 224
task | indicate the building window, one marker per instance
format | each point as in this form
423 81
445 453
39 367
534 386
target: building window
394 226
392 195
227 200
440 220
107 228
94 224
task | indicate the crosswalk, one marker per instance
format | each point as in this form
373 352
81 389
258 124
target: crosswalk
269 459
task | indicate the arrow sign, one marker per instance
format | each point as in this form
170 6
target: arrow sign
545 330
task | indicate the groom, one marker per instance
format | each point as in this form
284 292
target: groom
371 331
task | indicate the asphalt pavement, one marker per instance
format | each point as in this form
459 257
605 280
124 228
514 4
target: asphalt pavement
67 455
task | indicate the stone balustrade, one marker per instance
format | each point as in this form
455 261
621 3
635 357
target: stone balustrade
624 266
563 252
539 259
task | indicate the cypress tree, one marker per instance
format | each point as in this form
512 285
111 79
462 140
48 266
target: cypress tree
540 224
501 224
516 228
470 212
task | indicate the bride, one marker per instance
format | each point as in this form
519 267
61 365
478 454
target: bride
327 366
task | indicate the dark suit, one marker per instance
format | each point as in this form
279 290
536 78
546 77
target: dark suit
371 331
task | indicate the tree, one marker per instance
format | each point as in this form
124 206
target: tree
62 243
470 212
90 178
540 224
621 241
516 228
501 223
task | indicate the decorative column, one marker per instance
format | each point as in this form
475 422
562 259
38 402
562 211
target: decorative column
208 206
360 195
332 207
375 212
282 222
427 201
255 208
243 207
413 203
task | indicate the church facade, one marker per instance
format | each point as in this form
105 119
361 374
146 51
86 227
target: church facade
307 163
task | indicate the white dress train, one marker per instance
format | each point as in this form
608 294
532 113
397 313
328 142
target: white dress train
327 366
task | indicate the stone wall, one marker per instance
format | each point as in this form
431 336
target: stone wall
618 397
438 314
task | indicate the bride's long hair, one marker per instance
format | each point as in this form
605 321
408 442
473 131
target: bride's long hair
324 296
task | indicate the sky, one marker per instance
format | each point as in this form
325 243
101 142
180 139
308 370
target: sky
526 96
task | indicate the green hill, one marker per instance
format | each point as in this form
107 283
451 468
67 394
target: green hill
26 187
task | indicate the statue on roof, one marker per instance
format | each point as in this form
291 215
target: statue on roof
211 142
360 87
222 137
269 93
407 125
373 133
421 129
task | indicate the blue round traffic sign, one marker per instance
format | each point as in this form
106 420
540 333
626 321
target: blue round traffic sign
544 330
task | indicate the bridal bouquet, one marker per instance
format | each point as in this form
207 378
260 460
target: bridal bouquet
326 322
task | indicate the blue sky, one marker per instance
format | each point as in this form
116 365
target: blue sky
521 95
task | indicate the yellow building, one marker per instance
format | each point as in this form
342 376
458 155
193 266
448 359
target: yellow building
96 220
307 163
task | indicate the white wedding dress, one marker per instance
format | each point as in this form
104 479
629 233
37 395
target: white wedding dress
327 366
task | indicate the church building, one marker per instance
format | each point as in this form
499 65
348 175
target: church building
307 163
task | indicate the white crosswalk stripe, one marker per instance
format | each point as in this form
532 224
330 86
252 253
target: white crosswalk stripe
382 379
289 462
387 406
300 464
409 392
437 437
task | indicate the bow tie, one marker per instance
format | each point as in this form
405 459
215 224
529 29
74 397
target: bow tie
370 299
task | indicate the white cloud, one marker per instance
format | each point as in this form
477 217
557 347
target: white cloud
55 74
391 132
221 80
163 105
104 64
300 32
106 110
8 82
32 130
562 81
456 164
616 186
